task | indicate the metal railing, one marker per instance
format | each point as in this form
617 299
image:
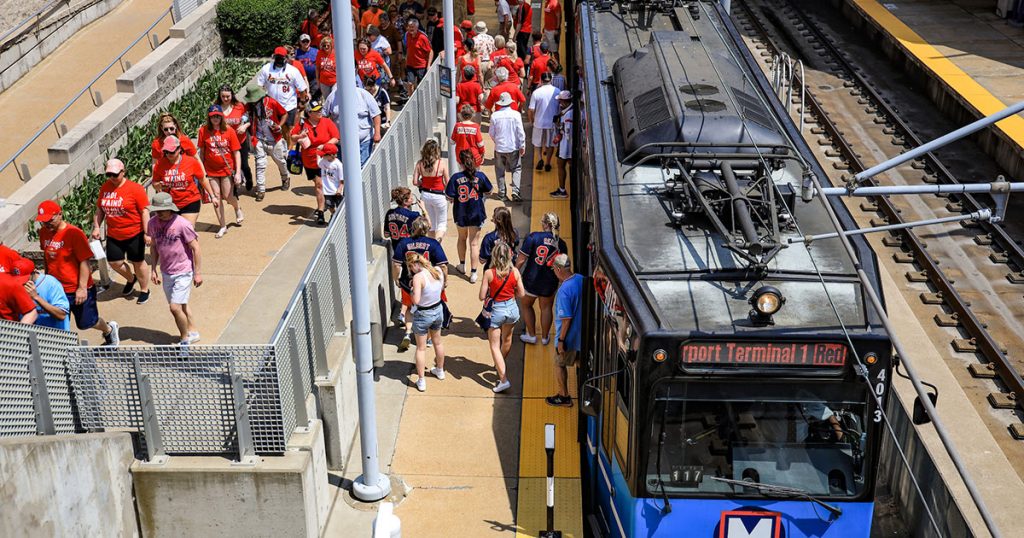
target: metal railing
226 399
97 99
35 19
35 390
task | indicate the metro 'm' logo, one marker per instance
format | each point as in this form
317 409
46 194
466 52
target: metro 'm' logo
750 524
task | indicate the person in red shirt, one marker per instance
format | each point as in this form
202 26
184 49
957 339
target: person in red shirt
237 117
313 133
326 72
467 135
514 65
15 302
181 176
503 85
311 27
524 27
221 155
66 254
499 49
166 126
552 23
122 204
370 17
469 92
7 258
418 55
469 59
369 63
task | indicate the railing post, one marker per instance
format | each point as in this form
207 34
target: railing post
549 449
246 449
317 327
155 454
40 396
299 390
336 291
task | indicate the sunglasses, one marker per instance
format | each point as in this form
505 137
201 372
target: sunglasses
172 152
115 174
170 129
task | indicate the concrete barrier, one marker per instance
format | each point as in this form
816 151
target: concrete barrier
150 85
67 485
34 46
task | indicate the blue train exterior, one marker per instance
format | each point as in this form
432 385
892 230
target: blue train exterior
732 382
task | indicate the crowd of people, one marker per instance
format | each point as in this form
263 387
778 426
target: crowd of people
289 116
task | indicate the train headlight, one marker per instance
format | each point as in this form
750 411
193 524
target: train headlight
767 300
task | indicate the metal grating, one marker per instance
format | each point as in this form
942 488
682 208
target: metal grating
651 109
17 414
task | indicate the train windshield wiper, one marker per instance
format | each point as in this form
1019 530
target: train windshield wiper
782 491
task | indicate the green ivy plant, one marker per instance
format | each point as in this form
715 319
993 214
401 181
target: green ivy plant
253 28
79 205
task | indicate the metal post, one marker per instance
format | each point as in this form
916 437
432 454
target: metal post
246 448
317 328
941 141
150 423
549 449
40 396
449 61
371 485
299 390
336 294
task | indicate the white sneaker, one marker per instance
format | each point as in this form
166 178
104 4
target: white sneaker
421 384
239 216
113 338
502 387
472 277
220 233
193 337
437 372
461 268
527 338
544 341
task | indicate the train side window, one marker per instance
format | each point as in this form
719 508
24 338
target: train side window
623 390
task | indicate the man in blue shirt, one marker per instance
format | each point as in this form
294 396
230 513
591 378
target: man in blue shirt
306 55
568 326
52 303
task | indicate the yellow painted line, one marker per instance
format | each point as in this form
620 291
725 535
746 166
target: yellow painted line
530 521
976 95
532 458
539 373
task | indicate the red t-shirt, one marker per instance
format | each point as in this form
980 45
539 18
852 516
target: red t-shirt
325 70
467 135
525 17
63 252
180 179
7 258
552 15
274 112
14 300
187 146
518 99
318 136
513 65
538 67
233 117
468 93
417 50
366 64
370 18
218 151
310 28
462 63
498 54
302 69
122 208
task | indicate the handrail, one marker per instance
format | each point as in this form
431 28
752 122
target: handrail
53 121
3 38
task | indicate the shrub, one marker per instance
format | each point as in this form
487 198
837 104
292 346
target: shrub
79 205
252 28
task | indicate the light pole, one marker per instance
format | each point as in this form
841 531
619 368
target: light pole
449 61
371 485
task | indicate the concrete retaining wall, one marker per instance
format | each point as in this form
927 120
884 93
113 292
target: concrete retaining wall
157 80
34 46
67 485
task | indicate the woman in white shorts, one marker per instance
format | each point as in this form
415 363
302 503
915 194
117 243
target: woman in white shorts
431 177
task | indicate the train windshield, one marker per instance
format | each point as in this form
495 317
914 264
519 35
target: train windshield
811 436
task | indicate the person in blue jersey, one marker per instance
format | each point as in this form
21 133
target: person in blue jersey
466 191
534 261
431 250
52 305
503 232
398 225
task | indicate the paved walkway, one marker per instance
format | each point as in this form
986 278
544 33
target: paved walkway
42 92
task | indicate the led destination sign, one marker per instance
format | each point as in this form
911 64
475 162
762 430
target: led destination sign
764 354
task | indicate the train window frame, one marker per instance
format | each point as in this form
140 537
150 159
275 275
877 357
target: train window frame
623 408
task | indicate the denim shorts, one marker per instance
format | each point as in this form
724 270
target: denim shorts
504 313
427 320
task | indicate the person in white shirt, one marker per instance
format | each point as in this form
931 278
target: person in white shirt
504 17
563 139
483 44
285 84
543 108
368 112
333 178
509 144
428 317
379 43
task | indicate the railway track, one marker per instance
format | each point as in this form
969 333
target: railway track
975 270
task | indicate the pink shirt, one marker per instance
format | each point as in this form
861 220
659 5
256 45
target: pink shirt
171 239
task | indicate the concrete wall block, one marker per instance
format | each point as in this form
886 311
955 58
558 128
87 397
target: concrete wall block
339 408
67 485
142 76
195 22
313 442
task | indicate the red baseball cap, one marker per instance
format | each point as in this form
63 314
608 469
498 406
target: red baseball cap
47 210
280 51
330 149
22 270
466 25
